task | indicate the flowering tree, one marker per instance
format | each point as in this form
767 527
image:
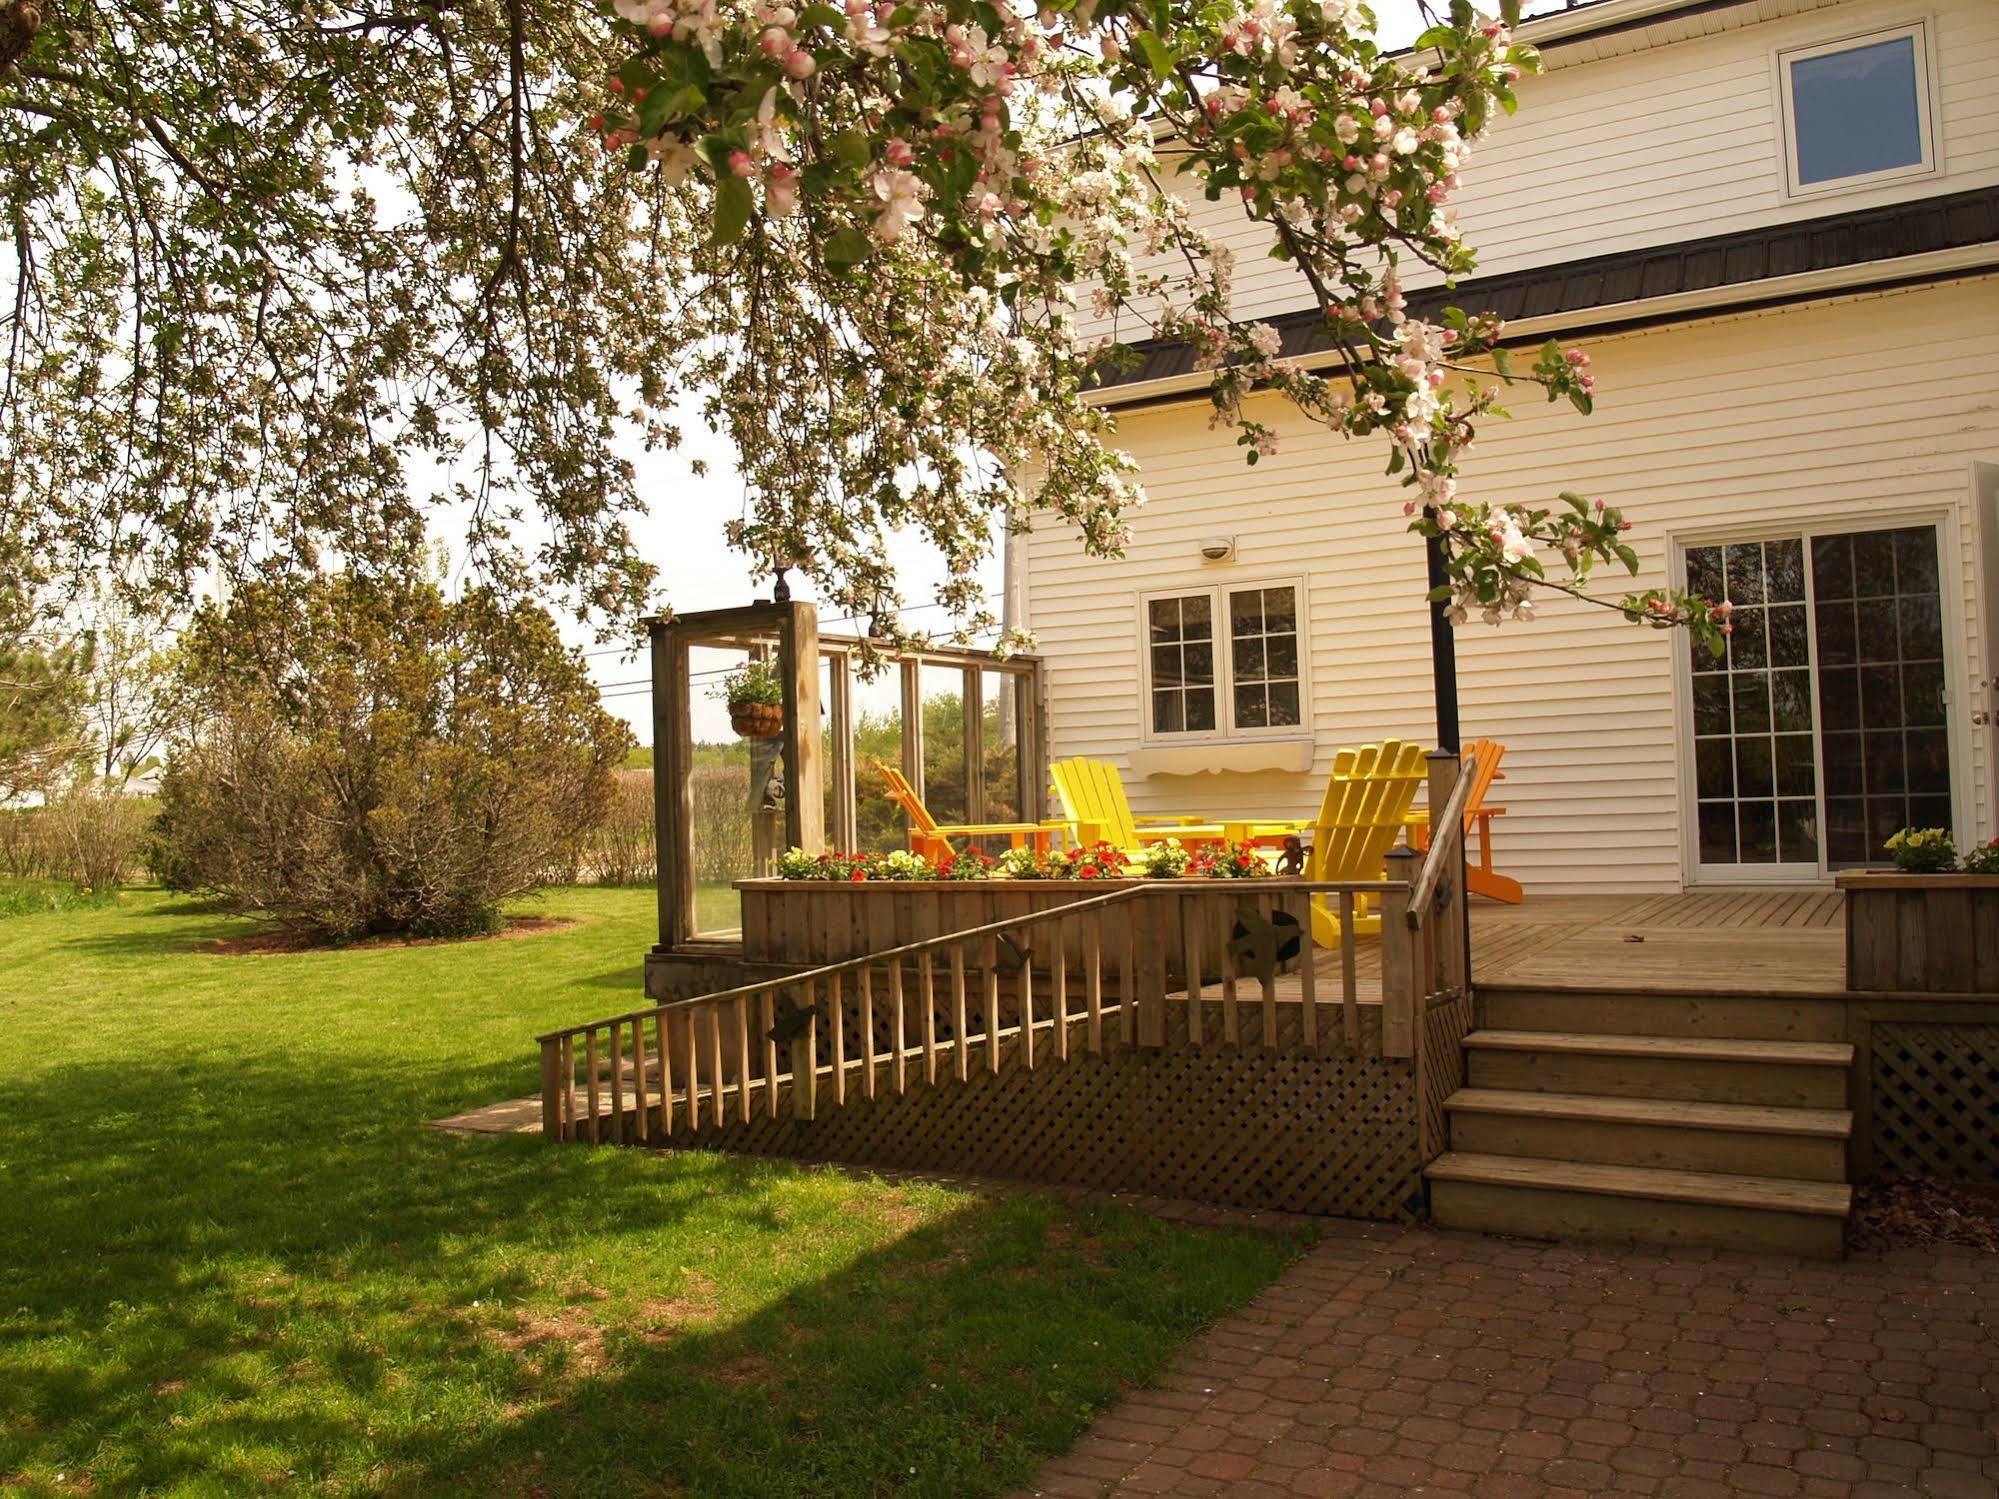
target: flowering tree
899 213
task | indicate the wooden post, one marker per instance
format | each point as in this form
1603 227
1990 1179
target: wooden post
1399 977
805 1060
1452 933
672 784
842 831
804 767
912 723
975 747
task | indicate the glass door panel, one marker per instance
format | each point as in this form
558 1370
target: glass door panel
1754 758
1878 609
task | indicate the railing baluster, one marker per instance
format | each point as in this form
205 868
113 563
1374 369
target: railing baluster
805 1059
1308 974
1093 978
768 1018
992 994
1269 976
693 1083
926 989
743 1058
1060 979
714 1010
901 1042
868 1031
1128 977
1349 977
959 1017
665 1033
1027 1010
1192 913
835 1003
590 1077
1229 995
641 1112
569 1087
617 1083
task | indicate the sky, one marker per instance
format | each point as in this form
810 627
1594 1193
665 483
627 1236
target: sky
682 530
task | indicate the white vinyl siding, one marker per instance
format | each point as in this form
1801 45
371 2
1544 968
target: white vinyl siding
1871 407
1677 142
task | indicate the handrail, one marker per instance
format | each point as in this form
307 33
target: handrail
1447 836
1306 888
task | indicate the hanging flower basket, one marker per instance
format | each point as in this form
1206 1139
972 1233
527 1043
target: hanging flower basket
757 720
755 694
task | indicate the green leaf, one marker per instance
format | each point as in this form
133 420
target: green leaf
823 15
1158 56
733 202
635 158
846 248
1503 363
851 146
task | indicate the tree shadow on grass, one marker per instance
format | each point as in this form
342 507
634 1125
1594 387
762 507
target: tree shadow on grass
271 1275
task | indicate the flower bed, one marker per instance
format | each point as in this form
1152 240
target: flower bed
1166 860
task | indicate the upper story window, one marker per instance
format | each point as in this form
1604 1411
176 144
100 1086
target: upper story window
1224 662
1858 111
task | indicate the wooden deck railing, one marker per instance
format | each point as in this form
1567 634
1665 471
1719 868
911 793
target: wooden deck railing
1179 963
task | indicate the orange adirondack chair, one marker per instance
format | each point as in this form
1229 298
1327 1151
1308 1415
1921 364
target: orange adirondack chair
1480 877
933 839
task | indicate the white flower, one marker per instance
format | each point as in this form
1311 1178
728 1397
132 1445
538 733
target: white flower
900 193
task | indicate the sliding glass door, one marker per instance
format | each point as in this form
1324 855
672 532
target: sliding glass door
1819 728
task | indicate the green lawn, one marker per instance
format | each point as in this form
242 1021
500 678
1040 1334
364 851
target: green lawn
232 1260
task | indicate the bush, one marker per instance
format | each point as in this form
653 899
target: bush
92 836
622 852
370 759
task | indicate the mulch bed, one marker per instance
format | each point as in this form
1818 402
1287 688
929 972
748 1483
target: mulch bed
1896 1211
264 943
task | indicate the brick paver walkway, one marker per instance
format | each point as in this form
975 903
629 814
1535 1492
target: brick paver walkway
1408 1361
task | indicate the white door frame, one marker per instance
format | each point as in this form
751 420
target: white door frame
1949 520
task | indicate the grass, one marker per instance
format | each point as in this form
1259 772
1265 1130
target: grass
232 1260
25 897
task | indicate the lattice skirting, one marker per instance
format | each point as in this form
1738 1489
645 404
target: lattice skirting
1240 1126
1936 1099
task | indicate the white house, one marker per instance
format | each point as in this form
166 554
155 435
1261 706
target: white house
1775 226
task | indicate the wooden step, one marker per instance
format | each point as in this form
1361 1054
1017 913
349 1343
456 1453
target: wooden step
1788 1074
1632 1204
1762 1017
1667 1134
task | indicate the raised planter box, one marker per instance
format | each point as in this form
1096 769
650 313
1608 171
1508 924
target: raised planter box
1922 933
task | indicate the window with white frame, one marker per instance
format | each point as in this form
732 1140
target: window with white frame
1858 110
1224 661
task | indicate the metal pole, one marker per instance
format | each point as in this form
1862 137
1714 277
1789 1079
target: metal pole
1443 650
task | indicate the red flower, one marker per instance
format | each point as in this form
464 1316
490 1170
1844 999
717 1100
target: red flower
1087 872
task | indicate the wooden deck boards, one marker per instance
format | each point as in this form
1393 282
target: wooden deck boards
1782 940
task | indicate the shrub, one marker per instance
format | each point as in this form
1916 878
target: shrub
371 759
622 851
99 835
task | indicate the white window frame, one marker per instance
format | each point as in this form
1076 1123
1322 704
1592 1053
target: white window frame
1225 731
1931 164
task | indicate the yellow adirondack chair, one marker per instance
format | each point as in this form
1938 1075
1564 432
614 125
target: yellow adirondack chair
1365 806
1480 877
1095 806
932 839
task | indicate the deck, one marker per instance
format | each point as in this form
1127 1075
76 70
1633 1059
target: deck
1790 941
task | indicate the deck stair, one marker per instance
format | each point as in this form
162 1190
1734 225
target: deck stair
1677 1118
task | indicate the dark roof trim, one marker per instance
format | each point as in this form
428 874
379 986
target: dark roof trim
1613 26
1881 235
